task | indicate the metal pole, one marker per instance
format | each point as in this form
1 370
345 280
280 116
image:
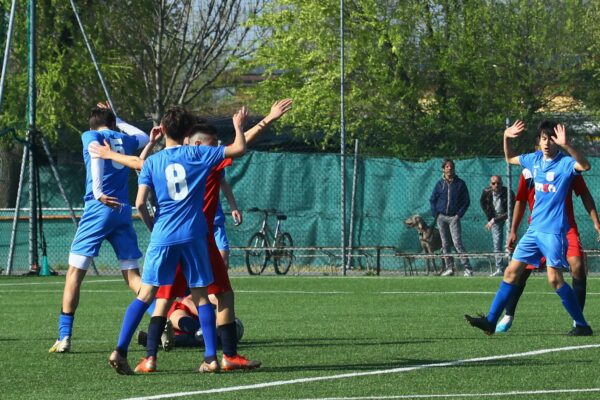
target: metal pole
352 202
89 47
7 49
342 143
13 233
508 199
58 180
31 104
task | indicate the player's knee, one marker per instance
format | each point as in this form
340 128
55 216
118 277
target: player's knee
555 278
576 266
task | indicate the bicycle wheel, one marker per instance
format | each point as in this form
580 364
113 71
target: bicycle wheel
282 259
256 259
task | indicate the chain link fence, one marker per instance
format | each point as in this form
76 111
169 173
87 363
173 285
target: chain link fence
306 188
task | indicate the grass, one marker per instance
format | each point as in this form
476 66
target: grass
307 327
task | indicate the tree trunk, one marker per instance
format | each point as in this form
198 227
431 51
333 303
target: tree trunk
10 164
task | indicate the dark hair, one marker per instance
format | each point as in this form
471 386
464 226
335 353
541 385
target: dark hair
177 122
446 161
102 117
547 128
205 128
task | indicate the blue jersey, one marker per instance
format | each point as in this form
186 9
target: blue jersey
220 215
115 176
178 177
552 180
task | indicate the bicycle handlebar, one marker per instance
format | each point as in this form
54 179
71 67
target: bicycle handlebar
267 211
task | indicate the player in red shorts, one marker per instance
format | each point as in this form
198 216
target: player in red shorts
526 195
202 134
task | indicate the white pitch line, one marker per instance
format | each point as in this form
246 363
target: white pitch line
366 373
451 395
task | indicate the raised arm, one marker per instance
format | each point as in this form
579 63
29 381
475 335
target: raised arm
278 108
509 133
581 163
238 147
140 204
128 129
235 213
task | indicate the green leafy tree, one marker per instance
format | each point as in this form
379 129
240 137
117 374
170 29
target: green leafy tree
424 78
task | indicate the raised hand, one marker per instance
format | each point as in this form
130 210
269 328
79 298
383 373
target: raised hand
239 118
106 104
99 151
561 135
515 130
156 134
279 108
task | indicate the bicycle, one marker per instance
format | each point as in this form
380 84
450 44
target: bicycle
268 245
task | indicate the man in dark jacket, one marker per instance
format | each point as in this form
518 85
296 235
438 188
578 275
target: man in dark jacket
494 203
449 202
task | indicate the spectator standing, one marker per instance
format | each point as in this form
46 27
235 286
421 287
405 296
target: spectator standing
494 203
449 203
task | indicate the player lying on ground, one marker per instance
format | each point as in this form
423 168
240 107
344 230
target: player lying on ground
106 216
575 256
183 328
553 173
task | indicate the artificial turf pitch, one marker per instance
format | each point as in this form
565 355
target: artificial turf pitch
318 337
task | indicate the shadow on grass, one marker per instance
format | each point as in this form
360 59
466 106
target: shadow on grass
328 341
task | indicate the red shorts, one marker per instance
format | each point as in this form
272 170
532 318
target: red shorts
178 305
221 282
574 248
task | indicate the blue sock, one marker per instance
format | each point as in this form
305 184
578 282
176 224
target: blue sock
132 318
505 291
571 305
155 330
65 325
208 322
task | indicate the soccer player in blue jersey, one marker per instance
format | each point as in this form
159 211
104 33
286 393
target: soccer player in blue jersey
177 175
553 172
219 225
106 215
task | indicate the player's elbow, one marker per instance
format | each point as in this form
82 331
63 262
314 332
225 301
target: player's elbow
235 150
585 166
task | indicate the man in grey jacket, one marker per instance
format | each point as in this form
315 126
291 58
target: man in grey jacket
449 202
494 203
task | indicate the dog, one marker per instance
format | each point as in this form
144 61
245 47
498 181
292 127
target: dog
429 237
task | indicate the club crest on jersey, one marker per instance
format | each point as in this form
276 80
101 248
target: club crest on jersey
550 176
545 187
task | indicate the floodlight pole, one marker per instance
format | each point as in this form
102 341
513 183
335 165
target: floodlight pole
342 143
31 114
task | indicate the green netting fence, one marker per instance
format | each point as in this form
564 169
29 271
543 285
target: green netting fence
306 187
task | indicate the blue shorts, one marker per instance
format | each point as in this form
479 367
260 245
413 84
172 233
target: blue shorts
221 237
100 222
533 245
161 262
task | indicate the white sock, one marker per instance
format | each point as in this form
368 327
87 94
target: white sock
506 319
